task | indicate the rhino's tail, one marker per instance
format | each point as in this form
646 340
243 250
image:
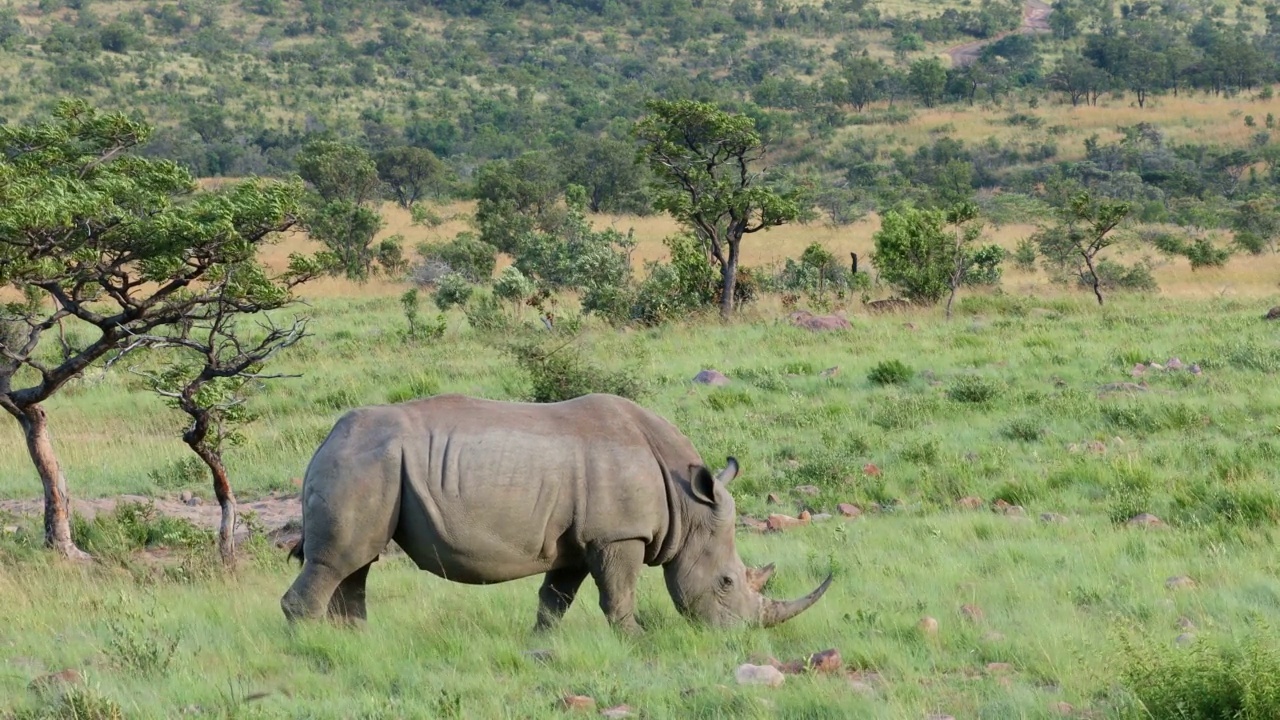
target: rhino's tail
295 552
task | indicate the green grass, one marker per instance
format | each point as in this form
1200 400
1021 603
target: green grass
1006 402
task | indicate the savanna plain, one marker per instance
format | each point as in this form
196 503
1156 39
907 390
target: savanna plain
1057 607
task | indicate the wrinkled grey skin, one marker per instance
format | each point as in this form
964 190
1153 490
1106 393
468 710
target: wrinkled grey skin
479 491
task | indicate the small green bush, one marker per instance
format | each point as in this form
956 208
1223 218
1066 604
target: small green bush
973 389
452 289
467 255
562 374
485 313
1023 430
1211 680
891 372
419 386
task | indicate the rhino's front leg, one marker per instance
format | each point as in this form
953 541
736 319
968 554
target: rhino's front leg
616 568
559 587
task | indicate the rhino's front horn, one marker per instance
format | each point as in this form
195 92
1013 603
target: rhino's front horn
776 612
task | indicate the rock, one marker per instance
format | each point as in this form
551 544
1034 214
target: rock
865 681
773 499
827 661
185 496
54 681
972 613
871 469
617 711
1272 314
195 501
752 523
1004 508
1138 370
577 702
1052 517
928 625
805 516
711 377
849 510
807 490
1145 520
999 668
542 656
778 522
1194 369
1062 708
830 372
970 502
1184 623
818 323
1155 366
767 675
1180 582
1185 639
819 517
1174 364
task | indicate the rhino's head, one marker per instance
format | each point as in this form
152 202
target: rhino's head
707 580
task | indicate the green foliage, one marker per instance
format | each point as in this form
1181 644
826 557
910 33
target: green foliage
465 254
891 372
452 289
418 386
914 253
347 230
137 644
1214 678
134 526
512 286
419 328
517 197
973 389
485 313
339 172
74 702
559 373
411 173
576 255
1025 254
1114 275
675 290
983 266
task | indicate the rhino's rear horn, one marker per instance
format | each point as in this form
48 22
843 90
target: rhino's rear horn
757 577
776 612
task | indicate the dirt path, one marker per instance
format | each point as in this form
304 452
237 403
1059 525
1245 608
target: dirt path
1035 19
274 512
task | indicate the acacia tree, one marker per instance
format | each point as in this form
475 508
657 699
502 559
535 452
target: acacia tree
121 246
345 180
916 253
1083 231
702 158
215 368
410 172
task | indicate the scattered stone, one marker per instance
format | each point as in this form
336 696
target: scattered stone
827 661
1184 623
1185 639
849 510
1194 369
999 668
818 323
1272 314
830 372
865 681
711 377
542 656
1052 517
972 613
577 702
1174 364
185 496
820 517
1004 508
1180 582
773 499
53 681
970 502
778 522
617 711
767 675
1155 366
1145 520
871 469
1062 708
1138 370
807 490
928 625
195 501
753 524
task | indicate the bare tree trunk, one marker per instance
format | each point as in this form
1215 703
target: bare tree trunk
950 298
729 280
57 503
1097 281
226 501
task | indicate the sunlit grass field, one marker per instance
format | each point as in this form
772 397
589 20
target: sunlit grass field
1014 400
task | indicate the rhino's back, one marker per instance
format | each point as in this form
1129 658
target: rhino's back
494 490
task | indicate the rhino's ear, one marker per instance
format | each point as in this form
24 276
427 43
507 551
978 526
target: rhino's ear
729 472
702 484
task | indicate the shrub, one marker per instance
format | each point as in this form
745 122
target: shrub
466 254
1208 681
419 328
985 266
973 389
452 289
1023 430
512 285
561 374
484 313
419 386
1117 276
1024 255
890 372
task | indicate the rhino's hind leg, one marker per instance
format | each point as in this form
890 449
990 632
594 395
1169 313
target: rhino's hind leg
347 604
616 569
559 588
309 596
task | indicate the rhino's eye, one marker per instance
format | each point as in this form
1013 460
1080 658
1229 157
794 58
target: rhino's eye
726 582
